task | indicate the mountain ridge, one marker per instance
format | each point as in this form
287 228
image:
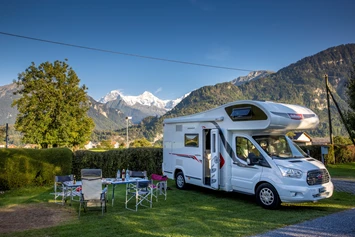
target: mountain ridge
254 75
146 99
107 116
299 83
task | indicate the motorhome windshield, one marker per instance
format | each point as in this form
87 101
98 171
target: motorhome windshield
280 147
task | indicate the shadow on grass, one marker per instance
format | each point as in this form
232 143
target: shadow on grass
25 195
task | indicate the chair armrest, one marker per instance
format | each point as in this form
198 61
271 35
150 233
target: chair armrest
103 194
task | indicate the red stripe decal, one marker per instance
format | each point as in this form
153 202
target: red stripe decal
187 156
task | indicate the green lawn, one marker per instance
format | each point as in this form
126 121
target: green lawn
342 170
193 212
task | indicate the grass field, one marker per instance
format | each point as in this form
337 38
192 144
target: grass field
342 170
193 212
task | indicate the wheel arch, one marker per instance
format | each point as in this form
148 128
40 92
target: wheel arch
266 182
260 183
177 170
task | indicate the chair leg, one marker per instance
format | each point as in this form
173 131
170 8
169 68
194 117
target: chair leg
151 199
137 201
165 189
102 208
79 209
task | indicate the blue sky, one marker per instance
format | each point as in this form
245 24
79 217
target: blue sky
251 35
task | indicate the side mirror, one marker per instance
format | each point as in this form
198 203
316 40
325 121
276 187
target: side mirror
253 159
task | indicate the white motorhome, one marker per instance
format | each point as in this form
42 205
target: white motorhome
242 146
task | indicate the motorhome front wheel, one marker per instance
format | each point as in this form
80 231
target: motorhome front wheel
180 180
267 196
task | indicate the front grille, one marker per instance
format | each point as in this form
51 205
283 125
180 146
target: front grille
315 177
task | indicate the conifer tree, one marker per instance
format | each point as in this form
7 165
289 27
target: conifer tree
52 107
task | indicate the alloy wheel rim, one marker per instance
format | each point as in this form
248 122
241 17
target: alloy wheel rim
267 196
180 180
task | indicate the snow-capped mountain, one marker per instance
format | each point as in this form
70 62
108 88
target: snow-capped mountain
110 96
251 76
147 99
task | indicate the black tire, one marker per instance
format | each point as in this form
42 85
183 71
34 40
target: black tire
267 196
180 180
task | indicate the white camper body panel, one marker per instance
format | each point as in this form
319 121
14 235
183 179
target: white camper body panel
203 147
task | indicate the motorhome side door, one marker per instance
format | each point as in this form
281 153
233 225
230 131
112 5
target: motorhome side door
215 168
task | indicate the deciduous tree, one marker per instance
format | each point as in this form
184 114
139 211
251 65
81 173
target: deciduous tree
141 143
2 135
106 144
53 106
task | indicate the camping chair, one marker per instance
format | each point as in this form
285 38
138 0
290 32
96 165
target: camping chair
92 193
60 190
138 190
159 186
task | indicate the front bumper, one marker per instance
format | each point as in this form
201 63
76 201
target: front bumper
296 194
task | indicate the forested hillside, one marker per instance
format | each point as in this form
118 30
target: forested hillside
300 83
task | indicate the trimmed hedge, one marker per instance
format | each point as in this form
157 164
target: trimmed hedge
22 167
140 158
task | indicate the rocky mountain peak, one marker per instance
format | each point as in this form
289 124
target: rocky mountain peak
251 76
146 99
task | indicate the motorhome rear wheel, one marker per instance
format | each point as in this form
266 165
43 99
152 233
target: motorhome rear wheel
180 180
267 196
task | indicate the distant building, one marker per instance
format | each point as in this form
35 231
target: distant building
302 139
89 145
31 146
115 144
320 141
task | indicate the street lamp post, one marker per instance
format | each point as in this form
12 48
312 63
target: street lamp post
127 118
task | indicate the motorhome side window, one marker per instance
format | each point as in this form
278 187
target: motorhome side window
242 113
244 148
191 140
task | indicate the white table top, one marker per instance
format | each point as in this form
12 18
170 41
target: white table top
71 183
107 181
120 181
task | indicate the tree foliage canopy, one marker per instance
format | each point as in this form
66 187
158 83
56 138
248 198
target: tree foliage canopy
52 107
350 91
140 143
106 144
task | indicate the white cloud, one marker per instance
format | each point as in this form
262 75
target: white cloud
158 90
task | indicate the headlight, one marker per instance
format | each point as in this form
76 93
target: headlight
289 172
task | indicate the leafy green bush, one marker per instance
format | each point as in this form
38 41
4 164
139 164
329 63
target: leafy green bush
341 153
344 154
22 167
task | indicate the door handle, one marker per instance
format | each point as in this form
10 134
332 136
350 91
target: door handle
216 160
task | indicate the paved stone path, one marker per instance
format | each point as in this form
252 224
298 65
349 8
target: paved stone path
341 224
344 185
